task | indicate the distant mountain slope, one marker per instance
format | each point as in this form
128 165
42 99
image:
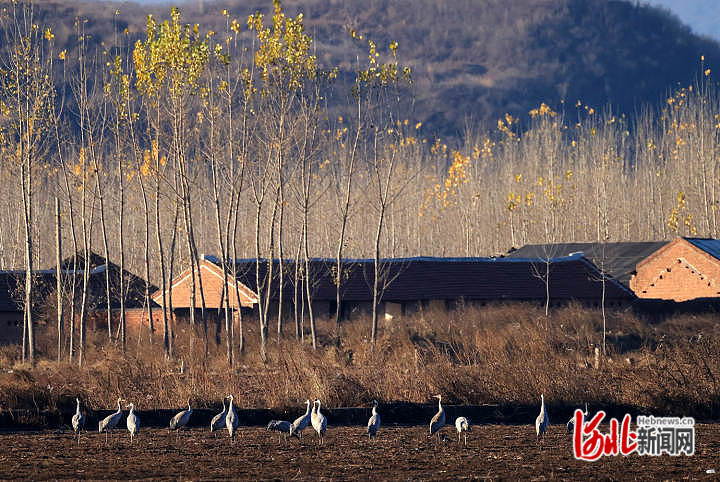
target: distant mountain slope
703 16
473 61
481 59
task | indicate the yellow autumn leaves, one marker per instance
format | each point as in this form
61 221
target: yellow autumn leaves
283 52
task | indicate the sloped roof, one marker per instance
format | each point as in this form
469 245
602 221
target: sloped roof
709 245
415 279
619 259
12 288
134 286
210 266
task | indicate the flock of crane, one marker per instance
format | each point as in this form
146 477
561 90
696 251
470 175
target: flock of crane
228 419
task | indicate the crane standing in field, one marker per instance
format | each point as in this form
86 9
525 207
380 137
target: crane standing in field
571 422
280 426
181 419
218 420
133 422
462 425
542 421
319 422
374 422
231 420
438 421
301 422
78 420
108 423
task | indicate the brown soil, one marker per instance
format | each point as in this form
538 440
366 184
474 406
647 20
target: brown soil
493 452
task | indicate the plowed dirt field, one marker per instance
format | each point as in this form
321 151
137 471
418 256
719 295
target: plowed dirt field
399 453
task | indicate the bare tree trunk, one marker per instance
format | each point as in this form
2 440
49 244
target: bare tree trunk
281 271
171 274
345 211
73 280
195 259
262 307
87 247
161 254
223 256
58 278
308 287
241 335
268 281
297 300
121 240
106 247
27 204
376 274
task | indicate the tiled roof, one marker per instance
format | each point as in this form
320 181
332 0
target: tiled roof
619 259
12 289
134 286
710 246
414 279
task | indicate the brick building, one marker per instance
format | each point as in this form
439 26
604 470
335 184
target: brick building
12 301
683 269
409 283
133 292
212 277
618 259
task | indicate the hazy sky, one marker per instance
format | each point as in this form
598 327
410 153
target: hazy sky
703 16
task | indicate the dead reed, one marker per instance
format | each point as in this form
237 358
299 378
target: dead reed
504 354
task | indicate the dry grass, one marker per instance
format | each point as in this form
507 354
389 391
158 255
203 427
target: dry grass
497 354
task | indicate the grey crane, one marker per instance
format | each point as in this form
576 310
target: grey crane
280 426
181 418
571 422
301 422
319 422
218 420
542 421
133 422
438 421
108 423
78 420
374 422
231 419
462 425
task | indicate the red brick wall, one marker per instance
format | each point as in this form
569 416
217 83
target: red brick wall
212 282
97 320
679 271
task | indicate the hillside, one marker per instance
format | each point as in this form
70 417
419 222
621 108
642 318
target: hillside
472 61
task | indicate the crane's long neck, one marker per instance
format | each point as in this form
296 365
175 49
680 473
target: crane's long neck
77 409
224 408
440 404
307 410
374 410
189 407
119 407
